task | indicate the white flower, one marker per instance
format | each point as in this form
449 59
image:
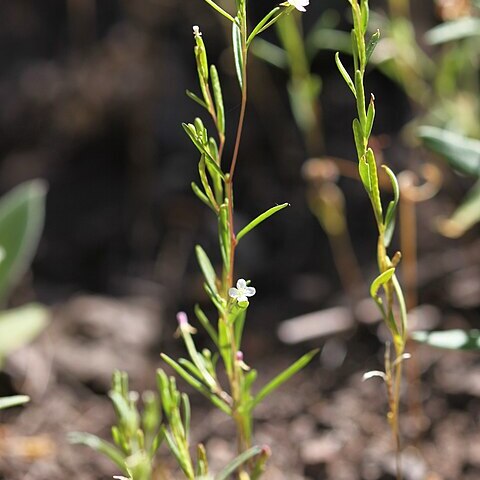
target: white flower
241 293
299 4
197 32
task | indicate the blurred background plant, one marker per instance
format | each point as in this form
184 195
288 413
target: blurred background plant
21 224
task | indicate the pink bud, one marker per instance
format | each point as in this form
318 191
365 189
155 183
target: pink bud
266 451
239 356
182 319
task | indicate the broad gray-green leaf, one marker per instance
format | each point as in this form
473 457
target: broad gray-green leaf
465 216
22 213
462 153
450 339
14 401
455 30
20 326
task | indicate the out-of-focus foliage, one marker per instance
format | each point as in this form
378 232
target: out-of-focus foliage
22 212
463 155
21 224
450 339
14 401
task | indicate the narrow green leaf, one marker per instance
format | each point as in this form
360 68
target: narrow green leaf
261 218
201 196
375 190
100 446
264 24
362 111
202 173
381 280
218 98
207 268
224 345
237 462
372 44
213 165
192 134
239 325
283 377
345 75
392 207
450 339
365 14
363 170
220 10
359 138
197 384
190 366
238 52
13 401
202 462
186 410
202 318
198 360
172 445
196 99
224 234
370 117
125 412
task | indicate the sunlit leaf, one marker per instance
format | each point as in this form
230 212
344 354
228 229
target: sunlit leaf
392 206
207 268
283 377
465 216
20 326
13 401
238 52
454 30
462 153
261 218
450 339
381 280
344 73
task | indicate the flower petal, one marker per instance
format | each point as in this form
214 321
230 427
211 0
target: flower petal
242 298
250 291
241 283
233 292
